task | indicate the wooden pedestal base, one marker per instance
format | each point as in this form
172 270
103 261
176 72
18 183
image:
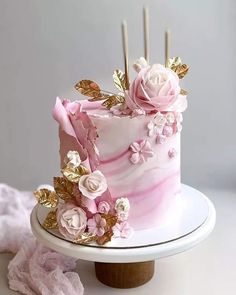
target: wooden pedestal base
124 275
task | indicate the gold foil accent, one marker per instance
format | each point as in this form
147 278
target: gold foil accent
105 238
50 221
119 80
64 188
113 100
73 174
88 88
183 92
176 65
85 238
111 220
46 198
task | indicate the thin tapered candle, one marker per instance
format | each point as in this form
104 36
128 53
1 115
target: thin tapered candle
167 46
146 33
125 50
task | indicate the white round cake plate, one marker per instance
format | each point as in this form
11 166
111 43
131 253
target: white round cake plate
188 225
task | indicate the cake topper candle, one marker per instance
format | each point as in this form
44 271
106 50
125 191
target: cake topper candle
146 33
125 50
167 46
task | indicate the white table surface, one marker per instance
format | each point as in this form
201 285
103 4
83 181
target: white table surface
209 268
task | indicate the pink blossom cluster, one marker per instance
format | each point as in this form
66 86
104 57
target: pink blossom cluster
164 125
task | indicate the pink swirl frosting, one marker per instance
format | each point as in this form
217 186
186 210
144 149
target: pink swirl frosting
155 88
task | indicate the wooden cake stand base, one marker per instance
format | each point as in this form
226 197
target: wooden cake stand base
128 263
124 275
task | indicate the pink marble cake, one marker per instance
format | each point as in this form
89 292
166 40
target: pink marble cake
132 139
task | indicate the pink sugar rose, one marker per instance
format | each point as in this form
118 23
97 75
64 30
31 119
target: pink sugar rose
93 185
72 220
96 225
103 207
155 88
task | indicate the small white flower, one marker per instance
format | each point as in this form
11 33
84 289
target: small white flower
122 205
140 64
156 125
170 117
72 159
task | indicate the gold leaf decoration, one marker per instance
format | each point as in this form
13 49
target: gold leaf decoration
183 92
85 238
105 238
119 80
113 100
111 220
88 88
176 65
102 97
64 188
50 221
73 174
46 198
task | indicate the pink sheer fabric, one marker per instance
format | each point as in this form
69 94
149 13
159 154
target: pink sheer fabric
35 269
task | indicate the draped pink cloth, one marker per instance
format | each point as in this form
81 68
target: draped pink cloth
35 269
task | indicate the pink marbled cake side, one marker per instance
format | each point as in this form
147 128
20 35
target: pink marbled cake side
152 187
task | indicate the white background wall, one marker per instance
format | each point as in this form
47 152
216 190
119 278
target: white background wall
47 46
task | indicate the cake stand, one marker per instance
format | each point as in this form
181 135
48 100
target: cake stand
127 263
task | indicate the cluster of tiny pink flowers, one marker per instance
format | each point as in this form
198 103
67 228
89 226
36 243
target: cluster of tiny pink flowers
164 125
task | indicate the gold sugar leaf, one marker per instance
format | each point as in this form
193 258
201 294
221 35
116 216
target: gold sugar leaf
102 97
64 188
50 221
73 174
183 92
46 198
119 80
85 238
173 63
88 88
105 238
111 220
113 100
182 70
176 65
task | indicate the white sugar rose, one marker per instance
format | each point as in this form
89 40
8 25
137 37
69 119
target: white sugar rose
93 185
122 205
72 159
72 220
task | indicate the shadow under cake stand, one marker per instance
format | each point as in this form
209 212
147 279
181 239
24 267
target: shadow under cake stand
128 263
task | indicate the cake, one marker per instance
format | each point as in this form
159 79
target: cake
120 152
120 155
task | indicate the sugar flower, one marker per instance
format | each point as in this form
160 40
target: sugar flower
71 220
72 159
122 230
103 207
155 88
93 185
96 225
140 151
122 205
172 153
156 125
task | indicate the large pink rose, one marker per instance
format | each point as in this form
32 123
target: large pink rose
155 88
72 220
